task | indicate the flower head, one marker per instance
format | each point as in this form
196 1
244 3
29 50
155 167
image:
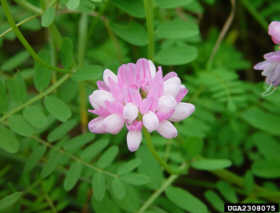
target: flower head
138 96
271 68
274 31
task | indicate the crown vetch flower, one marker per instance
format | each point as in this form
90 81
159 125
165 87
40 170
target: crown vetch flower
274 31
271 68
138 96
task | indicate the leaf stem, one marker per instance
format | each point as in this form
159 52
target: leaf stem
29 6
158 192
158 158
235 179
148 4
36 98
18 24
23 40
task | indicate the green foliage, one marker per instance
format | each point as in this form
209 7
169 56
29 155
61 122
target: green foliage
185 200
9 200
48 17
50 162
57 108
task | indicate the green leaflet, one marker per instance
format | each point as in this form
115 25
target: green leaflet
108 157
62 130
15 61
73 175
227 191
54 159
129 166
132 33
176 55
185 200
118 188
94 149
172 4
133 8
42 75
135 179
262 120
10 200
17 89
77 142
36 155
177 29
73 4
88 72
98 186
266 168
57 108
20 126
67 51
9 141
213 198
48 17
211 164
35 116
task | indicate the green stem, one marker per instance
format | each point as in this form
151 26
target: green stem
36 98
83 29
255 14
235 179
18 24
158 192
23 40
29 6
158 158
148 4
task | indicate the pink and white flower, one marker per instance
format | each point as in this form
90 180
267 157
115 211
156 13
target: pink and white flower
138 96
274 31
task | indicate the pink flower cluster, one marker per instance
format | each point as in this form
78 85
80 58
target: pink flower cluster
138 96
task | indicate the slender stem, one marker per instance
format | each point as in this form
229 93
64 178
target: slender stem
83 29
158 158
253 11
148 4
222 35
36 98
23 40
29 6
75 158
158 192
18 24
235 179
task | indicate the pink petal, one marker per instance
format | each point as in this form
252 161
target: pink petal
134 139
113 123
183 91
167 130
182 111
166 103
96 125
130 112
150 121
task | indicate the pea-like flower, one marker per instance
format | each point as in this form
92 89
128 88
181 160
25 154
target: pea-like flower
274 31
271 68
138 96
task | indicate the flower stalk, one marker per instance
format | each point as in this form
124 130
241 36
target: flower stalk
148 4
152 149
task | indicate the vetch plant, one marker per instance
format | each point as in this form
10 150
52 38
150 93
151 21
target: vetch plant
139 96
53 56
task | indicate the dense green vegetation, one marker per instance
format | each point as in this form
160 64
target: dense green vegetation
53 52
